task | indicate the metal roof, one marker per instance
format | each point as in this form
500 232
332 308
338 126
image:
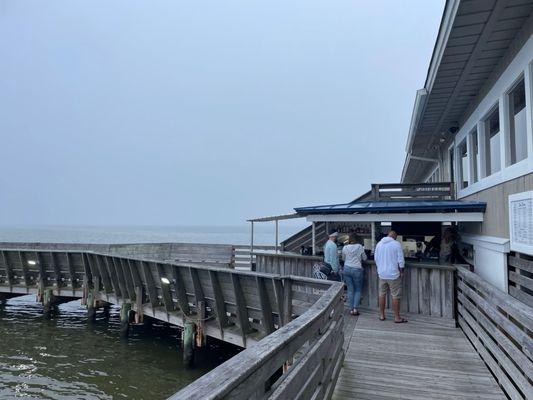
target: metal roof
396 206
274 218
474 39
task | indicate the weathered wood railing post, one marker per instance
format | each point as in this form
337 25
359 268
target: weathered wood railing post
48 302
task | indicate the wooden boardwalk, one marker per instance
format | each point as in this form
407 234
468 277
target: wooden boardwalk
418 360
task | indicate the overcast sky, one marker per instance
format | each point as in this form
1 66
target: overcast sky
203 112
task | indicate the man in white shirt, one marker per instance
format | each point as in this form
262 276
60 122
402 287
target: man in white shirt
390 264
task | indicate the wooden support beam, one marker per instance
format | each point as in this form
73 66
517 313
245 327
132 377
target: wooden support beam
42 272
24 267
104 273
278 291
57 270
84 290
97 287
108 261
72 272
150 285
220 306
9 269
128 280
240 304
287 301
165 289
87 269
197 287
139 314
134 267
120 278
181 293
266 323
93 269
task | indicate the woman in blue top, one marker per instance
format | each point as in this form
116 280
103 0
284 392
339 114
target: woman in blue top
353 255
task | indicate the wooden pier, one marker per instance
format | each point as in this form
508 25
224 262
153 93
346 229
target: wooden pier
464 338
422 359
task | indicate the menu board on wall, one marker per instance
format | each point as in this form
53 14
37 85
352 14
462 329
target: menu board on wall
521 222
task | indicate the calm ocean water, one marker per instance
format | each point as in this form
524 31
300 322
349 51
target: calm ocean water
263 234
66 358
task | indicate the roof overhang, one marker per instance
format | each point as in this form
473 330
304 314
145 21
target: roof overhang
473 40
396 211
396 206
398 217
275 217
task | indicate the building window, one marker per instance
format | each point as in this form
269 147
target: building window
517 120
463 165
492 142
475 156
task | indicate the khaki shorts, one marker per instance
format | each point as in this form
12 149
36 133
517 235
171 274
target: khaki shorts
395 286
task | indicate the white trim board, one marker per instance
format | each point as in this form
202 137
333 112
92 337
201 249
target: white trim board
399 217
489 242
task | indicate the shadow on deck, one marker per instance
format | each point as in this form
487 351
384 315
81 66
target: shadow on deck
421 359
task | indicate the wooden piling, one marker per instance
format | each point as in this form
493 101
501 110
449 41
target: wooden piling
125 319
48 302
91 309
188 343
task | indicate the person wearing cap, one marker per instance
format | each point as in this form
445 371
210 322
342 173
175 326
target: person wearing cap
331 256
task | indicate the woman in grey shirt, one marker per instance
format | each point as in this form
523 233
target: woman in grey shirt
353 255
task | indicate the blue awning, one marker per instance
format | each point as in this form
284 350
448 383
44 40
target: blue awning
396 206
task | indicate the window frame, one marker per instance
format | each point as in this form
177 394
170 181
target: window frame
510 149
463 173
487 159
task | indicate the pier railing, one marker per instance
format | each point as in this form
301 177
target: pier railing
291 326
285 263
501 329
521 278
244 258
239 307
302 360
428 289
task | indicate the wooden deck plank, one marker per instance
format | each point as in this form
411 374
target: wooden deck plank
417 360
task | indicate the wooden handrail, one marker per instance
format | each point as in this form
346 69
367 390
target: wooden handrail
244 376
428 288
501 330
245 309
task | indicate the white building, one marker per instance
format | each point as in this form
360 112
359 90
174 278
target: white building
472 124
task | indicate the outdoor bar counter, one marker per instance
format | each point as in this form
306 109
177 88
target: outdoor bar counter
428 287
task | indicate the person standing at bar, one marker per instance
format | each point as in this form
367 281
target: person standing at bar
353 255
331 255
390 264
